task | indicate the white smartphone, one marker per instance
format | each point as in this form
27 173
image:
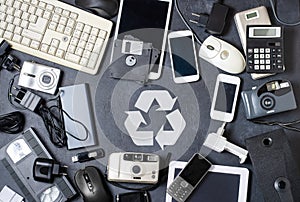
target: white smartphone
183 56
225 97
147 20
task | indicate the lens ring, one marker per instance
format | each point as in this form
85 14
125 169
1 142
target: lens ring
267 102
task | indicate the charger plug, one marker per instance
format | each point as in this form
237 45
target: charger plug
45 170
8 61
215 22
27 99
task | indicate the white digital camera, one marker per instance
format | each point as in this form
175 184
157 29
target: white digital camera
133 167
39 77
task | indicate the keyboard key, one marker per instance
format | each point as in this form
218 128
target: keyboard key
49 7
39 12
66 13
72 57
52 25
60 28
32 35
42 4
44 48
92 60
102 34
85 36
18 30
52 50
60 53
68 31
10 28
2 16
71 23
58 10
87 28
25 41
55 43
35 44
32 9
47 15
79 26
3 25
77 34
33 18
74 16
83 61
1 33
9 19
17 38
40 25
71 49
18 14
24 24
55 18
24 7
7 35
89 46
79 51
95 31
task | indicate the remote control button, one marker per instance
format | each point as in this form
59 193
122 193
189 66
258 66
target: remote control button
250 62
256 62
262 56
184 184
256 67
267 55
256 50
256 55
268 67
268 50
250 50
261 50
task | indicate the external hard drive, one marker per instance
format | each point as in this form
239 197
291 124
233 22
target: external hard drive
76 104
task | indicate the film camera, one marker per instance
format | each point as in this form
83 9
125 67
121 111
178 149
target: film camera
133 167
270 98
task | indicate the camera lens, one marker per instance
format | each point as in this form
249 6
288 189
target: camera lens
267 102
136 169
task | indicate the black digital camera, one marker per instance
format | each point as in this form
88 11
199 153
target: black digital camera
270 98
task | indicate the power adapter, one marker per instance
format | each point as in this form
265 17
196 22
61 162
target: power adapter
215 22
8 61
27 99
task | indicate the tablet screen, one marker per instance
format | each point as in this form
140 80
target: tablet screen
215 187
221 183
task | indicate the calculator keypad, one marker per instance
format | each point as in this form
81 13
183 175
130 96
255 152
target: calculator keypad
265 60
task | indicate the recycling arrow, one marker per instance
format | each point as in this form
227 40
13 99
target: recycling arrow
170 137
132 123
163 97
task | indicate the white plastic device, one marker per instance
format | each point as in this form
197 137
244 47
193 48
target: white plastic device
222 55
183 56
218 143
225 97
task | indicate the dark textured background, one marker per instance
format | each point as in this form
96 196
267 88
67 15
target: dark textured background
237 131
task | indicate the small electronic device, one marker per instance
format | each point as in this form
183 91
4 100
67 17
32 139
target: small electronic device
265 49
88 156
188 178
133 167
222 55
225 97
221 183
254 16
39 77
149 22
140 196
183 56
269 98
76 101
92 185
218 143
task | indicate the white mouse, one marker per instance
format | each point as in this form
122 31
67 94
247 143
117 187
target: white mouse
222 55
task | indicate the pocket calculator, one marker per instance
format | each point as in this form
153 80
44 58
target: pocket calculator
265 49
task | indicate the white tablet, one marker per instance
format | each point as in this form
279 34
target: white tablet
222 183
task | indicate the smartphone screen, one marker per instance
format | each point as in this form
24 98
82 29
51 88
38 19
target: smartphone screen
225 97
195 170
183 56
146 20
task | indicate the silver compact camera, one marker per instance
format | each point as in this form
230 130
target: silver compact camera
39 77
133 167
269 98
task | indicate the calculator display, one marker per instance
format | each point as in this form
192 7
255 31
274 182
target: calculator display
264 32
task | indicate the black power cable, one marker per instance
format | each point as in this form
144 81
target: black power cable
12 123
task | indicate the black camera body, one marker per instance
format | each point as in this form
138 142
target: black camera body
270 98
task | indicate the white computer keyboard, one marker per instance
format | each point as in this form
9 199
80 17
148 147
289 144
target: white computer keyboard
55 31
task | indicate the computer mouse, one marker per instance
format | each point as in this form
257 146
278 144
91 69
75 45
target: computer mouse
222 55
103 8
92 185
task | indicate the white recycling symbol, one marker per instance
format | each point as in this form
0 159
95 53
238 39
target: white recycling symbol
163 137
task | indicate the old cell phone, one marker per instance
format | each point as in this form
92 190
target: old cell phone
183 56
188 179
225 97
147 20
